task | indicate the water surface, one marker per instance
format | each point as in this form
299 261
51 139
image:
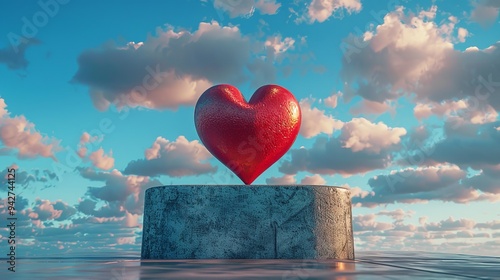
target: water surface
368 265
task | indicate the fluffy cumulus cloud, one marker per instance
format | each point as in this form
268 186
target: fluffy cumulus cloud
421 60
101 160
315 121
471 145
422 184
45 210
321 10
20 136
315 179
275 50
121 194
14 56
98 158
442 167
450 224
173 158
246 8
85 141
368 222
462 34
397 215
278 45
332 100
464 144
367 107
459 112
361 147
425 110
173 68
360 134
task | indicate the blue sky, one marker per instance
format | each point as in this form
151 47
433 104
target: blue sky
400 103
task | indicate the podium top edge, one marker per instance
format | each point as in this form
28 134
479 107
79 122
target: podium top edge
250 186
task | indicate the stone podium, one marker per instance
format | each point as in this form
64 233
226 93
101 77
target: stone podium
247 222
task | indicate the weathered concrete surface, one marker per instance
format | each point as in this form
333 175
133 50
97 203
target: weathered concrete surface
247 222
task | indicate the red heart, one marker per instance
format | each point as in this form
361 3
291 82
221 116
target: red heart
247 137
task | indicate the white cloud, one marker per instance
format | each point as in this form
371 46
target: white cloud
362 146
420 45
279 45
425 110
367 107
368 223
315 179
101 160
332 100
398 215
3 108
173 158
462 34
450 224
168 90
121 193
314 121
284 180
321 10
420 61
174 68
360 134
98 158
45 210
20 135
418 185
246 8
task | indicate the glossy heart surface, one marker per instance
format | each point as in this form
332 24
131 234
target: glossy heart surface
247 137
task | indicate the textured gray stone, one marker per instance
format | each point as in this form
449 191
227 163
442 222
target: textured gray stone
247 222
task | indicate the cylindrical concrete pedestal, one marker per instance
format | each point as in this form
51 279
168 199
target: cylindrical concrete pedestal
247 222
